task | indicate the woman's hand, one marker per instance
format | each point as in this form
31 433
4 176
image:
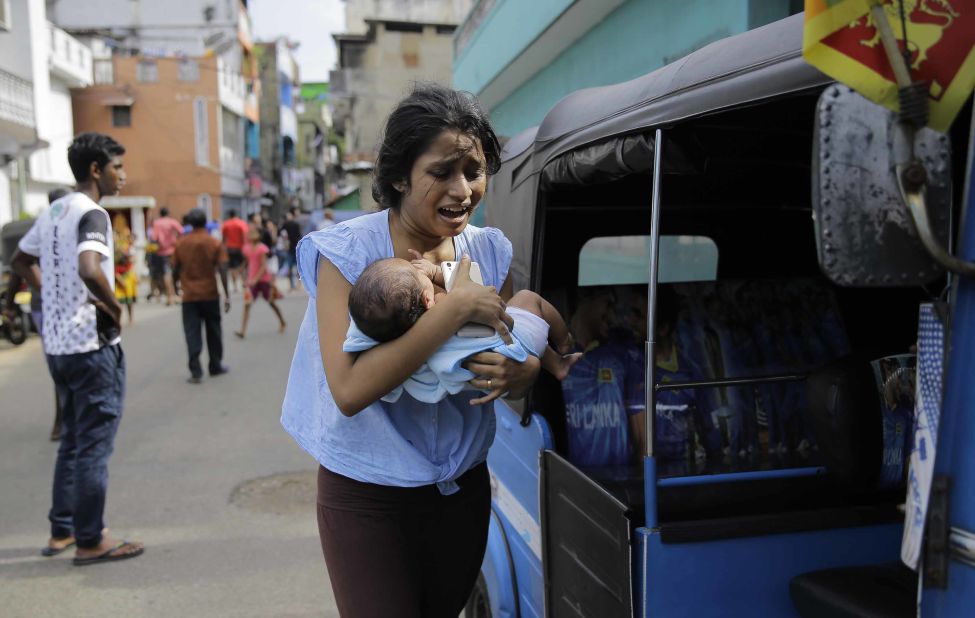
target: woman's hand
480 303
501 376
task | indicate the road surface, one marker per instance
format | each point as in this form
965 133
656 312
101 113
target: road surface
182 479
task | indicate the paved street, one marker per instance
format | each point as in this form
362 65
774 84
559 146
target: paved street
181 453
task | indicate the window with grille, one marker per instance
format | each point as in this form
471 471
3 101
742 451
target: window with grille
147 71
189 71
104 72
201 131
121 116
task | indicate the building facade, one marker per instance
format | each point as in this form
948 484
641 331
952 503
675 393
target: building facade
188 30
175 117
39 64
417 11
315 153
389 45
521 58
280 84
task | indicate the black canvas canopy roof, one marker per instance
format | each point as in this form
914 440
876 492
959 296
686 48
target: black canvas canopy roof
752 66
584 136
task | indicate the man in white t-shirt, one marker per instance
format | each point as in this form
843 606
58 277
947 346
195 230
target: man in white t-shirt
72 243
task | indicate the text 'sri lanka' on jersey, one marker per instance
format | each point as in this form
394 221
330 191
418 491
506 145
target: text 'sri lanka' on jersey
602 391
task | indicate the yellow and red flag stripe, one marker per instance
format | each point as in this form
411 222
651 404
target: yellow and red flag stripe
841 40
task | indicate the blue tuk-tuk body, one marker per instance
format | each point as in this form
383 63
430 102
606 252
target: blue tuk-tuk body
735 535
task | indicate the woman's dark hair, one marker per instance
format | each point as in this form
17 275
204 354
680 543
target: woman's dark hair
385 302
416 121
91 147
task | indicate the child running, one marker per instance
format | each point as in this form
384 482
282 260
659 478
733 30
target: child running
259 278
391 295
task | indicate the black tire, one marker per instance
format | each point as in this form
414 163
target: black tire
478 604
16 330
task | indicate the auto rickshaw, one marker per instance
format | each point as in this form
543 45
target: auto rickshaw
731 180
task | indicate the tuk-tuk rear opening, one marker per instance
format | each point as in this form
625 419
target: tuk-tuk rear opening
781 431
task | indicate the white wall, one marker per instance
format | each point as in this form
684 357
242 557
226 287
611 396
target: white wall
36 200
56 127
126 14
15 43
6 206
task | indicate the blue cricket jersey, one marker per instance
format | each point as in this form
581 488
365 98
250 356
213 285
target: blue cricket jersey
677 411
602 391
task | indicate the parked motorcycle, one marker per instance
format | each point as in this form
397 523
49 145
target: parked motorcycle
15 324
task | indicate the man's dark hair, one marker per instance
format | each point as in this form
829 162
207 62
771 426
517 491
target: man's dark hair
231 213
88 148
386 302
585 293
196 218
56 194
163 212
415 123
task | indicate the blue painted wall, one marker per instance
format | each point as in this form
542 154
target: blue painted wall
507 31
635 39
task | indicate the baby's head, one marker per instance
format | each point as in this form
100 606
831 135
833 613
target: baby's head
388 298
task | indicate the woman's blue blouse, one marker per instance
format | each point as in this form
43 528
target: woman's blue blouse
407 443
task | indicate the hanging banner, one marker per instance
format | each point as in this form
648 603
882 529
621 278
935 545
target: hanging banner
927 416
841 39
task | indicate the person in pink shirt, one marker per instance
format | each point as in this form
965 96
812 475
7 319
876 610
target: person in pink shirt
260 280
166 231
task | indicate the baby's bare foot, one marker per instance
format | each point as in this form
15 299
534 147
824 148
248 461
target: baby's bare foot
565 365
565 346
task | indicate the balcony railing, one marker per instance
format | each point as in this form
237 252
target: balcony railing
68 59
16 100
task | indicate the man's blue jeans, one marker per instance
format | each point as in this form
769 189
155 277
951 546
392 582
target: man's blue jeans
90 387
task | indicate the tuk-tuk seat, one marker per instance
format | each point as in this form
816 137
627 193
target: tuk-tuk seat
879 591
844 407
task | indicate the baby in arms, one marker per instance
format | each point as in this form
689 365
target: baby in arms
391 295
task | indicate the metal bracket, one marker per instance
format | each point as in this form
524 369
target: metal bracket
963 546
911 179
936 533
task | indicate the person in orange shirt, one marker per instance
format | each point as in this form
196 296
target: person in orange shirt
234 233
166 231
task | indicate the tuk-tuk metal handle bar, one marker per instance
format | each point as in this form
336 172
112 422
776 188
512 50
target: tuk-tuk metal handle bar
740 477
910 181
673 386
651 393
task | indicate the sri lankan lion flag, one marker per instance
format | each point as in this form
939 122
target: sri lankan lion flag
841 40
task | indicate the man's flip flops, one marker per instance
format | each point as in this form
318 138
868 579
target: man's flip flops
49 551
110 555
